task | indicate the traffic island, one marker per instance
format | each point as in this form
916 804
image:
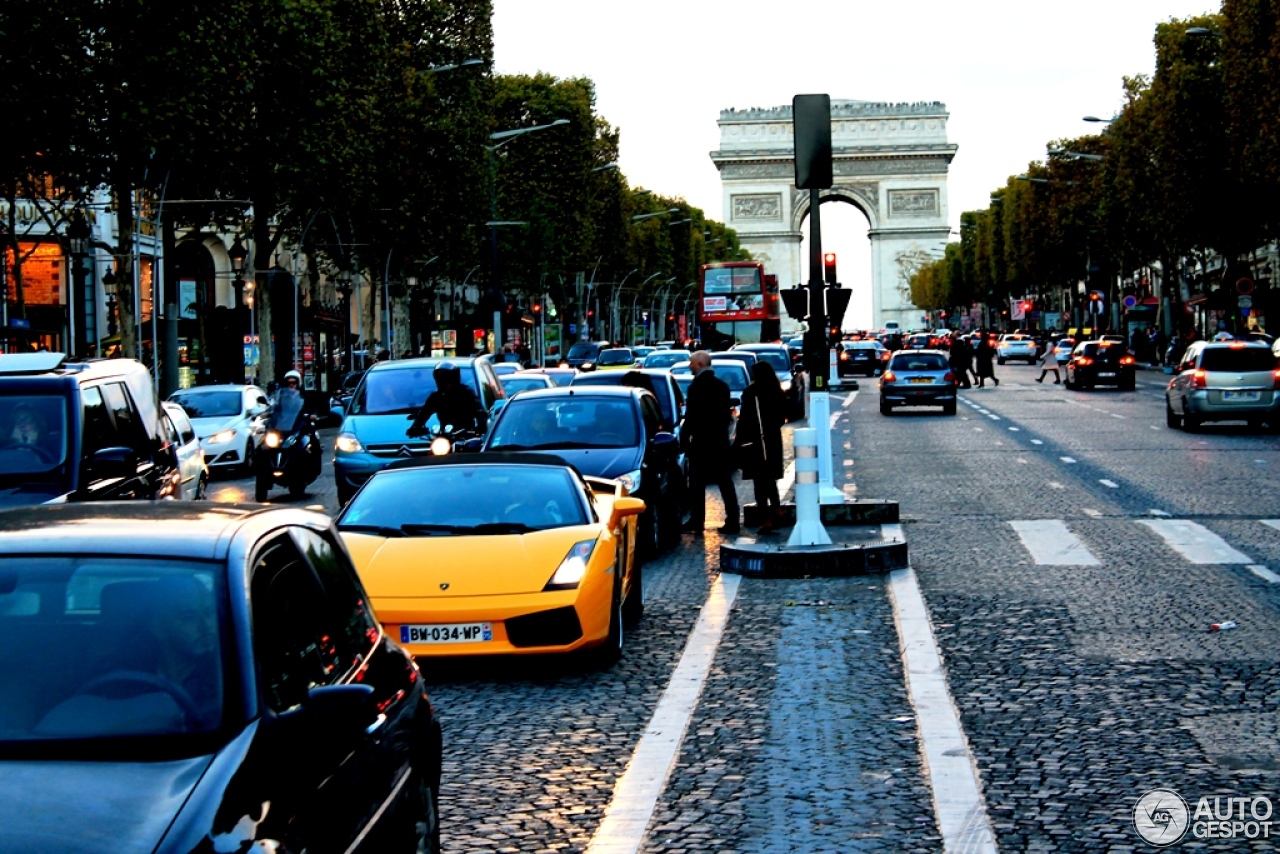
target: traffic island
854 550
859 511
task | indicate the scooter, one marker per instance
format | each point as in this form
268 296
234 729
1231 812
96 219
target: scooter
290 454
446 440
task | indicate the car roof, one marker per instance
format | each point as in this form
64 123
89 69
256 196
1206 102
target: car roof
197 530
618 391
221 387
511 458
426 361
759 346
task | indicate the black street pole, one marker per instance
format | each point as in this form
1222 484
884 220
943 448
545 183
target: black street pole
169 333
816 360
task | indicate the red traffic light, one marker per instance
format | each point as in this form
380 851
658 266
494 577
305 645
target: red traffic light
537 308
829 267
1026 305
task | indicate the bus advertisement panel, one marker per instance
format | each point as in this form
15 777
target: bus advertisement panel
738 304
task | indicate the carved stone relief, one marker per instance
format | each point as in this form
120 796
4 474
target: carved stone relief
907 203
908 261
758 206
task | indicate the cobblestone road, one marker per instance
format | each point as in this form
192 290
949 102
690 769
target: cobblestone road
1080 684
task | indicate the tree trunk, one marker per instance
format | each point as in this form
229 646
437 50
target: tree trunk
124 272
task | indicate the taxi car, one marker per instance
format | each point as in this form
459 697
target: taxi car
489 554
202 677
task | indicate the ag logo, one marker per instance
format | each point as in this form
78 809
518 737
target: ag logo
1161 817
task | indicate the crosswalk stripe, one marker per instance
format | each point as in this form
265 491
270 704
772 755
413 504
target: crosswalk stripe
1195 542
1052 544
1275 523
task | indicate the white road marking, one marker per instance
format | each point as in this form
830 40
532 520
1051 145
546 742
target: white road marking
1089 511
1052 544
788 478
1274 523
1014 430
993 417
1111 484
1053 484
1155 512
1155 427
1114 415
848 401
977 429
1264 573
1067 459
635 796
953 780
1195 542
1036 442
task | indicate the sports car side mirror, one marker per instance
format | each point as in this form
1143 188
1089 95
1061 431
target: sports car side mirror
625 506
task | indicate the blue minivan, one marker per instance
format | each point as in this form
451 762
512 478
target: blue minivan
377 416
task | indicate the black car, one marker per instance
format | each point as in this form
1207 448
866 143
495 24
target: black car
183 677
861 358
791 377
583 354
1095 363
87 431
611 432
665 388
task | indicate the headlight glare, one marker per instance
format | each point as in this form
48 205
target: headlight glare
569 574
272 439
440 446
347 443
222 437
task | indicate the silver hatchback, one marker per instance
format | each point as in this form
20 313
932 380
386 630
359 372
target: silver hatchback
918 378
1224 381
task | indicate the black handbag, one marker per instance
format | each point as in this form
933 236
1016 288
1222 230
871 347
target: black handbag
747 456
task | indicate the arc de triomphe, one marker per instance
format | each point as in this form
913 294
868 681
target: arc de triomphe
890 160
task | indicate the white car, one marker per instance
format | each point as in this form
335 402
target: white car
1017 347
229 421
192 471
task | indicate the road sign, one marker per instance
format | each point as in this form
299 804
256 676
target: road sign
1244 302
1244 285
1130 301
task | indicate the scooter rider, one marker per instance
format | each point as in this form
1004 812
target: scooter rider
305 423
453 404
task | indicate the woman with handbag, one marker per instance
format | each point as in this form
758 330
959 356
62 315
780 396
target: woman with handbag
758 441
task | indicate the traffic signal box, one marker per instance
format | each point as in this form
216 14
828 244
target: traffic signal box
829 269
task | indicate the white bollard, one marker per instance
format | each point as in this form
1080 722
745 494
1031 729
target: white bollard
808 530
820 420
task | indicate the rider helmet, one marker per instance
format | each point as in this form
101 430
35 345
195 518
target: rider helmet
293 375
446 375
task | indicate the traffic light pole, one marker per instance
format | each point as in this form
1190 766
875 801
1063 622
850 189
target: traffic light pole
817 357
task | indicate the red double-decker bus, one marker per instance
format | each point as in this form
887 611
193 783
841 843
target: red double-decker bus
738 304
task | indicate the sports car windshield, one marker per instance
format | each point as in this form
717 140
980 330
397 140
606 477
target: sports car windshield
101 648
461 500
563 422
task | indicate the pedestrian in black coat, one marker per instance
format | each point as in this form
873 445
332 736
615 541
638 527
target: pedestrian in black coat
986 354
759 441
705 438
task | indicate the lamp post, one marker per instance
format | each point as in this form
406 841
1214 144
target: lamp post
343 289
80 314
495 297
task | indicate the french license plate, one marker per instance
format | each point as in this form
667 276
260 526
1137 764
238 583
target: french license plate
921 380
1105 375
447 633
1242 395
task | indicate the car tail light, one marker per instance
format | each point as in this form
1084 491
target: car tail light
1276 375
1084 360
844 355
1126 360
949 377
1198 378
887 377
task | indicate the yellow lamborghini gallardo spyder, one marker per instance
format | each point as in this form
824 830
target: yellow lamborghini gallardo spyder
480 554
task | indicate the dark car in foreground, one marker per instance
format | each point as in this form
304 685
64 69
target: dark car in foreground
1228 381
1095 363
192 677
918 378
612 432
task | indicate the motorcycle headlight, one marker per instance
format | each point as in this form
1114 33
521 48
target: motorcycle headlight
347 443
440 446
222 438
631 480
272 439
569 574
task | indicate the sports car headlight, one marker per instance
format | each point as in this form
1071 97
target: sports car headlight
272 439
222 438
568 575
348 443
631 480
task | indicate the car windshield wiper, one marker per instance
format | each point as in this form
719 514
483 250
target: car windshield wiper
415 530
380 530
503 528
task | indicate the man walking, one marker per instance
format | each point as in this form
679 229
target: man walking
705 437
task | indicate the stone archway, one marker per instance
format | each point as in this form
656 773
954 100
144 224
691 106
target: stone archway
889 160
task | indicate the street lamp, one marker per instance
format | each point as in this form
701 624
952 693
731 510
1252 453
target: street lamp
667 212
466 63
501 138
613 164
80 315
1076 155
1096 119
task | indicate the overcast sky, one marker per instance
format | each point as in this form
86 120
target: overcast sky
1013 76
